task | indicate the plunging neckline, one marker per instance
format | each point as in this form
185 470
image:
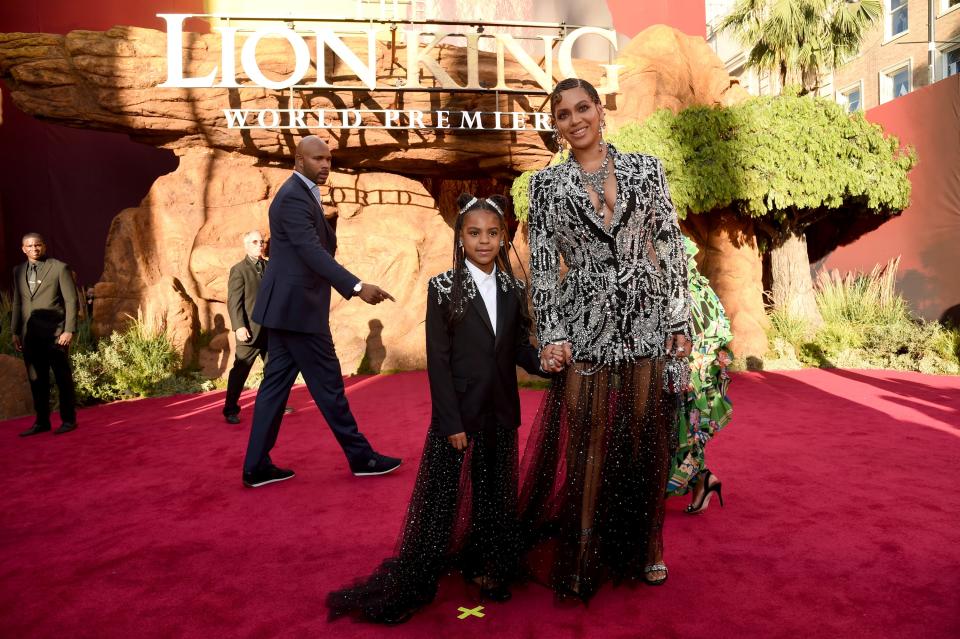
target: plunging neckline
591 210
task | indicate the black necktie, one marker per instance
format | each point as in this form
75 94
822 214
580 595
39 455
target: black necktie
33 270
259 266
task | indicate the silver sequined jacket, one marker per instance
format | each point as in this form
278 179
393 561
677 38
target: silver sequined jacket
626 288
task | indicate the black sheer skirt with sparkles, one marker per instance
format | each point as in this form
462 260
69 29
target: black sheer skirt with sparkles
593 477
462 516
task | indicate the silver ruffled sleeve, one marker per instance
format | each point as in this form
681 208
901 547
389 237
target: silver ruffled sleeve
545 265
673 259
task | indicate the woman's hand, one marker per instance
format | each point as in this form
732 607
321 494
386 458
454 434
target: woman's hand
678 345
458 441
554 357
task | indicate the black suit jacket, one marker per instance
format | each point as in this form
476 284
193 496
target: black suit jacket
295 292
52 309
242 289
472 373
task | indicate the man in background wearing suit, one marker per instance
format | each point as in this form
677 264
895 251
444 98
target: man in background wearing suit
242 287
293 304
44 319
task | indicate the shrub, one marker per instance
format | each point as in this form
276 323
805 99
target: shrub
139 361
867 324
6 332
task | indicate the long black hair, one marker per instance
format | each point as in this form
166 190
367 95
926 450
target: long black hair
496 204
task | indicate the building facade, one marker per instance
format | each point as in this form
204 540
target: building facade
916 43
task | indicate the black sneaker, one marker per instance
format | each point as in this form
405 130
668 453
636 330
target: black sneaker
377 465
268 475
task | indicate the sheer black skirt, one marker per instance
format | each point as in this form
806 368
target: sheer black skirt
594 474
462 515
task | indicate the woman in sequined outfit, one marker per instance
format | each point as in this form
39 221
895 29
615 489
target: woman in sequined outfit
594 474
463 511
706 408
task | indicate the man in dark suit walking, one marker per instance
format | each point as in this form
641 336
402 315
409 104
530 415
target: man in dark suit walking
44 319
251 342
293 304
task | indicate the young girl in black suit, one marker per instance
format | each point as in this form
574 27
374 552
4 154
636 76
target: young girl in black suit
463 513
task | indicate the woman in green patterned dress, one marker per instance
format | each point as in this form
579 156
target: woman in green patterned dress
706 409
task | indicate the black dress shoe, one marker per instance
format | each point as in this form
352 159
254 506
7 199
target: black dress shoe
267 475
499 593
65 427
232 419
377 465
36 429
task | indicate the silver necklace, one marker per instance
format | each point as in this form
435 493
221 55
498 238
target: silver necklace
597 180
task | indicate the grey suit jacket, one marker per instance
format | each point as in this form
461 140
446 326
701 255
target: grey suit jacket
242 287
52 309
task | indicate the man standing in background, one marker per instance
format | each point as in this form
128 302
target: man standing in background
44 319
251 342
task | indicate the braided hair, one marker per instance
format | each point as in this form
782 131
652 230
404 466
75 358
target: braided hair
496 204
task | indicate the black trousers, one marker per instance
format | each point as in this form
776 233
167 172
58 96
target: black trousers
246 355
313 355
40 355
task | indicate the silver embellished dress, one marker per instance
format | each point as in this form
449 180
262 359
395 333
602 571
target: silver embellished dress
596 463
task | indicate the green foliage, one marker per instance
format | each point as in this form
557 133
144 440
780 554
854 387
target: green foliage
866 325
136 362
800 39
783 158
6 331
862 299
520 192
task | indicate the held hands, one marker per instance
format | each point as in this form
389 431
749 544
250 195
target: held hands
678 345
373 294
458 441
243 334
64 339
555 357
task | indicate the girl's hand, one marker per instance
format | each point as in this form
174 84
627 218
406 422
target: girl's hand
458 441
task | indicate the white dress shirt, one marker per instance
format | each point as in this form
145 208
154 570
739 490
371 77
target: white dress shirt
487 285
314 188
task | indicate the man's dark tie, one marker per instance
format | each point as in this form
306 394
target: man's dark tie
33 272
259 266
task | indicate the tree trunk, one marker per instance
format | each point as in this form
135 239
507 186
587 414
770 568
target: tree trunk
730 259
792 289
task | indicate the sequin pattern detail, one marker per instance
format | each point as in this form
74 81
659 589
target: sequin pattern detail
626 287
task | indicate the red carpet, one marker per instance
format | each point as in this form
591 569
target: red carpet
841 520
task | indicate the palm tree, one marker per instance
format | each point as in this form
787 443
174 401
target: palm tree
800 40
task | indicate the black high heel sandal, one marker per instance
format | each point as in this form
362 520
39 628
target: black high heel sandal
694 509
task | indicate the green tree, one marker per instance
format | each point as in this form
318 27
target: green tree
801 40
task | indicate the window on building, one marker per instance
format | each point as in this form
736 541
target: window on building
895 82
898 21
951 61
851 98
946 5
